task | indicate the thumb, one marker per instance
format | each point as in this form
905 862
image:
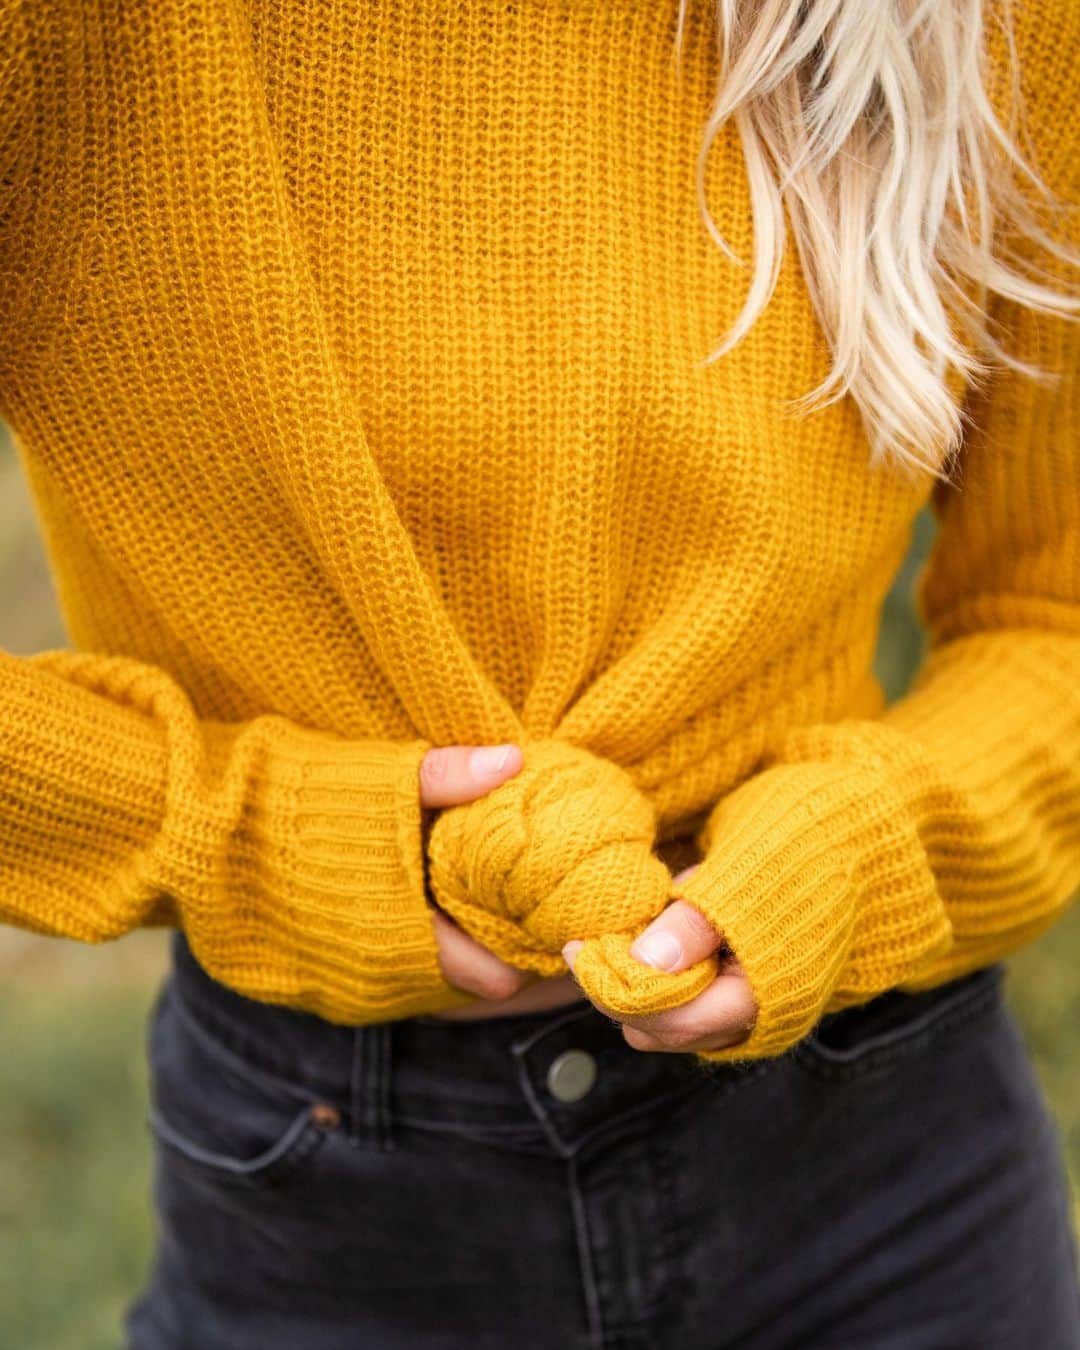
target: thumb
729 961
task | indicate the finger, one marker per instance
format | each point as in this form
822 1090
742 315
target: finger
453 774
468 965
679 937
724 954
721 1016
570 952
540 996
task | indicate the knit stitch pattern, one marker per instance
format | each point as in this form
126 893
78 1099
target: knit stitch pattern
562 849
354 357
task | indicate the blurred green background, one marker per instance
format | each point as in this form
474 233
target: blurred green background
75 1221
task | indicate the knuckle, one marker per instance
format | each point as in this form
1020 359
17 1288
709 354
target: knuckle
435 766
500 984
743 1011
456 971
699 926
748 1021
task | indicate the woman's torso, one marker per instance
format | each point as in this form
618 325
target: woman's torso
339 314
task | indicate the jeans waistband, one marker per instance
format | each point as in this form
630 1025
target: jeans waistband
552 1079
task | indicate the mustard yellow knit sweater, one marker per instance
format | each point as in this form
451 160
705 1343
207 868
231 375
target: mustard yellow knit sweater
354 357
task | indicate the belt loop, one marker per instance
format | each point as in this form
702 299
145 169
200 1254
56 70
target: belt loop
384 1120
358 1122
372 1067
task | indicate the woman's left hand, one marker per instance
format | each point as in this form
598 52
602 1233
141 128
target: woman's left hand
720 1017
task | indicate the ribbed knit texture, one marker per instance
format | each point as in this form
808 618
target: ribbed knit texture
353 356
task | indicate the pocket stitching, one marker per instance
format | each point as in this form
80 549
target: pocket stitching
885 1048
225 1055
301 1137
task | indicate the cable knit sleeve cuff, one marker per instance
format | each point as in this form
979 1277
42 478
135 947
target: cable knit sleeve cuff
816 879
338 921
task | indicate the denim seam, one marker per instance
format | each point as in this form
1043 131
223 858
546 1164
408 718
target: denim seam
301 1137
669 1245
188 992
370 1088
613 1124
382 1073
534 1145
629 1329
882 1051
586 1264
252 1072
564 1149
522 1047
525 1080
745 1074
464 1127
432 1020
356 1090
937 1013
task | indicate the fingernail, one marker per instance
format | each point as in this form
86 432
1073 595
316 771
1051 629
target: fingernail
489 759
659 950
569 952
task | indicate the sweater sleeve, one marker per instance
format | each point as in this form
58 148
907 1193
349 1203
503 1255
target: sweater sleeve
906 850
292 858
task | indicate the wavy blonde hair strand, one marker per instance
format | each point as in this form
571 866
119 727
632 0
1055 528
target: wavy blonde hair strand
872 124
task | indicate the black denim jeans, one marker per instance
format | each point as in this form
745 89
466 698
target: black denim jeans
894 1182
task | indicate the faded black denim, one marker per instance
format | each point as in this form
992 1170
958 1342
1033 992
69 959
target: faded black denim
894 1182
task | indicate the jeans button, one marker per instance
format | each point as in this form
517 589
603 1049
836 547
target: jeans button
571 1075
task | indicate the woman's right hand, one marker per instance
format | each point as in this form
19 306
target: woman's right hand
449 776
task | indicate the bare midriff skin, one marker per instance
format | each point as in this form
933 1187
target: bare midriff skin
455 774
557 991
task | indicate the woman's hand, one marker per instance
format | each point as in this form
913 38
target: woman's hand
721 1016
450 775
680 936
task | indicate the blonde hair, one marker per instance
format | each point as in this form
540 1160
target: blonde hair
873 124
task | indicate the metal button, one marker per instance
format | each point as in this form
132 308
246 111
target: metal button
571 1075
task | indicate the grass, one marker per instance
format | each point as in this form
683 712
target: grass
75 1221
75 1225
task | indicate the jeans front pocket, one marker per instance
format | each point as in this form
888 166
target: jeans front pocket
896 1026
221 1119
